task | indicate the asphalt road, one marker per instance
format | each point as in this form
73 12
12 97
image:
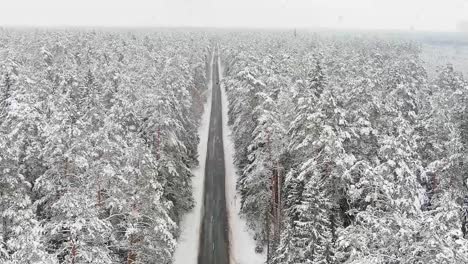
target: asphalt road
214 239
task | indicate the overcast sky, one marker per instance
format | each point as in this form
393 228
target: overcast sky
435 15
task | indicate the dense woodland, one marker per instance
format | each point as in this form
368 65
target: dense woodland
371 153
98 135
98 132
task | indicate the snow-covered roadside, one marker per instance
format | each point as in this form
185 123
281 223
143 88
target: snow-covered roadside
187 244
242 244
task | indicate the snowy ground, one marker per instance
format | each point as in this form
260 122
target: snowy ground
242 243
187 248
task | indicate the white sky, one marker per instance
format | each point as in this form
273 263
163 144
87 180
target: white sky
436 15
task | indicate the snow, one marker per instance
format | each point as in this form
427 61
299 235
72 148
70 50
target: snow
242 245
187 248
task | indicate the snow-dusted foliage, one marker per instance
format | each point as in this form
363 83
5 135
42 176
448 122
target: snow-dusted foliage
98 132
373 153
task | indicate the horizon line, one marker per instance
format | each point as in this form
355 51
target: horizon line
253 28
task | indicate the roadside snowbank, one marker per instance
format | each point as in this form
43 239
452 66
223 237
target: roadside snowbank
241 241
187 244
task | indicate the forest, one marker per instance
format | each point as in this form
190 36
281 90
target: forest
97 138
346 149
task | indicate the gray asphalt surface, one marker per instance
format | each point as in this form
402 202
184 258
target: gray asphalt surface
214 239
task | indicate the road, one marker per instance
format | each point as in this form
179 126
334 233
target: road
214 239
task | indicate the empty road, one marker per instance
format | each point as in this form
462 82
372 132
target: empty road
214 240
